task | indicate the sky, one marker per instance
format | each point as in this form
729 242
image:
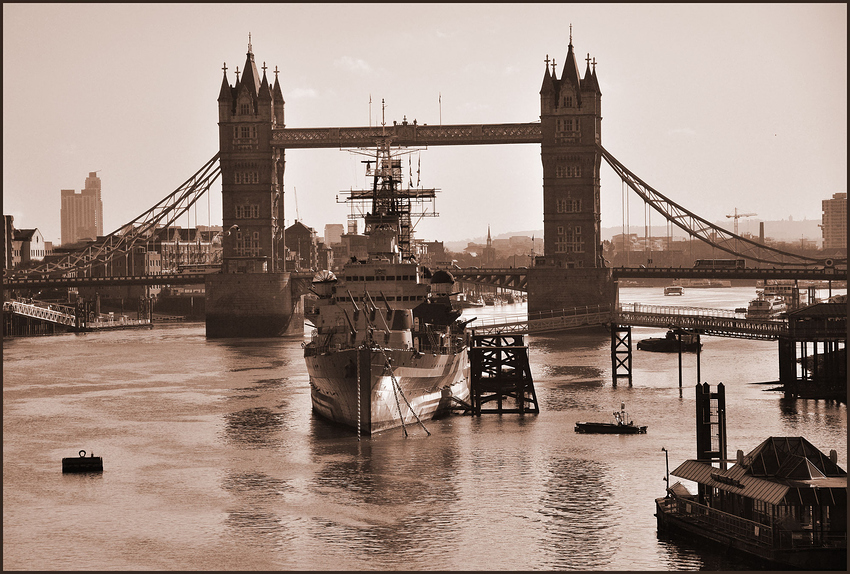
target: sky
716 106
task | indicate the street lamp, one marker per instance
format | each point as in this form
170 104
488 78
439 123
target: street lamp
667 466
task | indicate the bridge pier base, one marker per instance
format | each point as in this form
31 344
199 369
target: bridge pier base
251 305
554 288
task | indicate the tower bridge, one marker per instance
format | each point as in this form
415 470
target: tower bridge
255 295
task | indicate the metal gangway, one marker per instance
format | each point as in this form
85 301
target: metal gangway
50 312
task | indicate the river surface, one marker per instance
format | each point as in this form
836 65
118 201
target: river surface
213 460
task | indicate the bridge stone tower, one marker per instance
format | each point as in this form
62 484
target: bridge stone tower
251 296
572 272
251 170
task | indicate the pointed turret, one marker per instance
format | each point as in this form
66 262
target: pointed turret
250 76
548 85
265 89
277 96
589 83
225 98
570 73
595 79
225 94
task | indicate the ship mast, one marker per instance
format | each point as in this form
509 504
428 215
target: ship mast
389 204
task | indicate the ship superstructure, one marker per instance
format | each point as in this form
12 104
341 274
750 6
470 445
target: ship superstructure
388 350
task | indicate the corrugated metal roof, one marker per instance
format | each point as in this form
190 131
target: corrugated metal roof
820 310
738 483
826 490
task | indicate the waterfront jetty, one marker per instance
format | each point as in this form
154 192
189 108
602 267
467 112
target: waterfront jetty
784 502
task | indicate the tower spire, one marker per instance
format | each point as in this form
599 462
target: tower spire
571 34
249 41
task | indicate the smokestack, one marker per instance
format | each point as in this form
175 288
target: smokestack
761 232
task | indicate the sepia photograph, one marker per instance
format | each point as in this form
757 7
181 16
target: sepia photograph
362 286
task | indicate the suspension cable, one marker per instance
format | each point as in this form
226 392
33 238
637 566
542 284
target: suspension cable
702 229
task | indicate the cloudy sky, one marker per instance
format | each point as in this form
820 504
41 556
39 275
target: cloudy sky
716 106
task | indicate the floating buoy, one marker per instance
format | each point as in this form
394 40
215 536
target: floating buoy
82 463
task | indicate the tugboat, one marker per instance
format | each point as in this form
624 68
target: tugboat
623 425
388 349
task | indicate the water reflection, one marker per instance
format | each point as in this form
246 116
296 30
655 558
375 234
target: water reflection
581 515
392 498
680 553
257 496
257 427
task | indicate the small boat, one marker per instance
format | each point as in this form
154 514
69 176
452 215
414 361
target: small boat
622 425
670 344
674 290
765 306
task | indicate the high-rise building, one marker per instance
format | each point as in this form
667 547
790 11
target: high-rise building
93 188
82 213
834 222
333 233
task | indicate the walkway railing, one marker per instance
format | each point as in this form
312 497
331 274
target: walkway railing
544 321
708 321
51 312
718 322
66 315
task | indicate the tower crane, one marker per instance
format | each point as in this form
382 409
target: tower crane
736 215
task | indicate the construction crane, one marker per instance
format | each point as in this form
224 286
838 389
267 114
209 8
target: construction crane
736 215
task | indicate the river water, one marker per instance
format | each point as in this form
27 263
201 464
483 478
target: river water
213 460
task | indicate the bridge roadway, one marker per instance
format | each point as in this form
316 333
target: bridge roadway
517 279
509 278
716 322
162 279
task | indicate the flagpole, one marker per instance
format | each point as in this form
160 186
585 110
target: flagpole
440 96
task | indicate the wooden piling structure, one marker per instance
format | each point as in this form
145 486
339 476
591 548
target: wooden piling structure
813 356
499 370
621 352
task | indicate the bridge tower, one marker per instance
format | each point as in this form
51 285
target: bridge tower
251 170
571 126
251 297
